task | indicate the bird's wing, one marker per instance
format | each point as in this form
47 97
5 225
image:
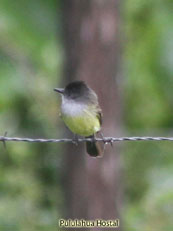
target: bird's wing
100 115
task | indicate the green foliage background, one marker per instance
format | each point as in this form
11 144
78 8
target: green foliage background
148 59
31 58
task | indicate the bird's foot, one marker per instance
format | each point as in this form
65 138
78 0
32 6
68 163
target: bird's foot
75 140
103 138
106 142
93 138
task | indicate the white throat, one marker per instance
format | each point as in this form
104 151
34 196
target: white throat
70 107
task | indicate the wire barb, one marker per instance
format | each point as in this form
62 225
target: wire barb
66 140
3 141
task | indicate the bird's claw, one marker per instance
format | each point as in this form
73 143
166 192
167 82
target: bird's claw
75 140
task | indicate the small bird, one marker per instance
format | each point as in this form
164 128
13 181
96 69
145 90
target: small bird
82 114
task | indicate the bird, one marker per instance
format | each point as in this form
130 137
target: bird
82 114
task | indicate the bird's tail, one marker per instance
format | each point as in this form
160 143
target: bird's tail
94 148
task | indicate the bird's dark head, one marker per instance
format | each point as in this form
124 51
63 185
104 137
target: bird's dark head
75 90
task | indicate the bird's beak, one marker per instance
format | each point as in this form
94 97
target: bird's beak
59 90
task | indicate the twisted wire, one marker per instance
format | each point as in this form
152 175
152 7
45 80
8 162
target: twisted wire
66 140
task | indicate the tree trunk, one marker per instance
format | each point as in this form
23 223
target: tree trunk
93 186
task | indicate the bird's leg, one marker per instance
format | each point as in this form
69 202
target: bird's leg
75 139
102 136
101 133
105 142
93 138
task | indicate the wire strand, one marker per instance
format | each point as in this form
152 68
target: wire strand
66 140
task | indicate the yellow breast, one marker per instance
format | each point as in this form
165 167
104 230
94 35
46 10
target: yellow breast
85 124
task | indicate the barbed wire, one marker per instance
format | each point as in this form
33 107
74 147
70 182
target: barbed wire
66 140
